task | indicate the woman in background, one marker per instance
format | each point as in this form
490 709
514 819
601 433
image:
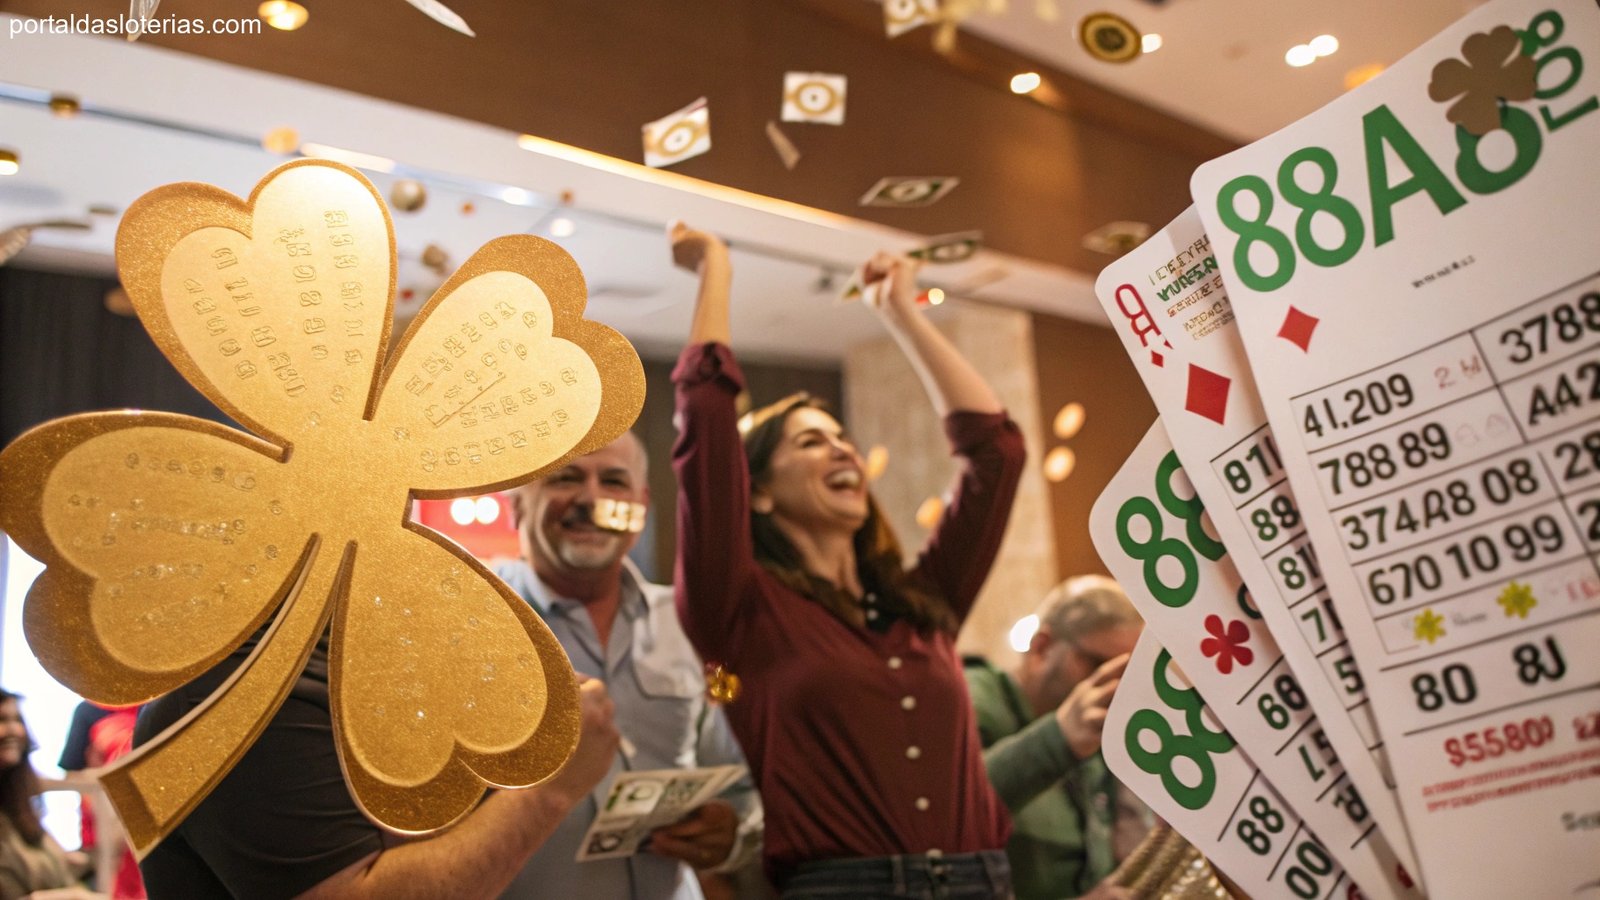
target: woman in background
32 864
854 714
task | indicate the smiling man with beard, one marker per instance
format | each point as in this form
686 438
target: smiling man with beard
576 527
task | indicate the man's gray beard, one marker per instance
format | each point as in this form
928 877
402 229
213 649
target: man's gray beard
589 557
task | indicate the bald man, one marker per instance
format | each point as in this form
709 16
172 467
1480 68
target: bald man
576 527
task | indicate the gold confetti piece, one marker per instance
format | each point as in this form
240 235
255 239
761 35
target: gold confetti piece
722 686
408 195
683 135
169 540
787 151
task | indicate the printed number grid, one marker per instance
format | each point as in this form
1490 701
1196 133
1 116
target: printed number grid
1465 482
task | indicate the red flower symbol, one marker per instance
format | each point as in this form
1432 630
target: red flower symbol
1227 645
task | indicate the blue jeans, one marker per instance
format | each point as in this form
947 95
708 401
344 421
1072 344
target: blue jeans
924 876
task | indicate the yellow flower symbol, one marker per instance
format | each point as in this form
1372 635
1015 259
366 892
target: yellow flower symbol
169 540
1517 600
1495 71
1429 626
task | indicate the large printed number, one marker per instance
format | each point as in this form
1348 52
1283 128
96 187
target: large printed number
1196 746
1158 547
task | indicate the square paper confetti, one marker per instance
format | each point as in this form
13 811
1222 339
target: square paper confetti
813 97
683 135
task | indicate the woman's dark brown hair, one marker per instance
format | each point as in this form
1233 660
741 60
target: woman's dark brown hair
878 559
19 785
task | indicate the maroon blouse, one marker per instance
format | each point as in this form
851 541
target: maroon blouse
862 743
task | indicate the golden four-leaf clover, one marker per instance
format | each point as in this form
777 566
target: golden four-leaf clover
169 540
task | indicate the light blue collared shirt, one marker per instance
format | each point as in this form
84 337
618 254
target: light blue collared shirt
658 685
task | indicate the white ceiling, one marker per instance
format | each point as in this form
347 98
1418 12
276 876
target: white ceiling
1221 64
179 118
154 116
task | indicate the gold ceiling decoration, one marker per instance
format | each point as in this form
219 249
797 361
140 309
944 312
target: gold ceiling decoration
169 540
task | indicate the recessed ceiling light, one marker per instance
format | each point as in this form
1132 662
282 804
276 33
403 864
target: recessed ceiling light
1300 55
517 196
1025 83
935 296
1059 463
8 162
1324 45
561 227
283 15
1068 420
463 511
1150 43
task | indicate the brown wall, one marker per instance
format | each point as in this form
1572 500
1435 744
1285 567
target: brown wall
1034 177
1086 363
766 383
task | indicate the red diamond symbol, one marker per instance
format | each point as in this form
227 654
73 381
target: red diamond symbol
1297 328
1158 359
1208 394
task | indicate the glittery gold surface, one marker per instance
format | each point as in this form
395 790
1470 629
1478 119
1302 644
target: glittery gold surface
169 540
618 515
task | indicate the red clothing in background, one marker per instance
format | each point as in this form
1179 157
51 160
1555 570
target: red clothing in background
862 743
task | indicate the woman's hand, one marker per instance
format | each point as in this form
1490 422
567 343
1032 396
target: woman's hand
889 284
704 254
691 248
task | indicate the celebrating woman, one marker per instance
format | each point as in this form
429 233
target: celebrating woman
32 864
854 713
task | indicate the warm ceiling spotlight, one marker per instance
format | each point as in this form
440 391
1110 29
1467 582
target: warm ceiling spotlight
929 512
1025 83
935 296
281 140
516 196
877 462
1150 43
1324 45
1361 75
1300 55
1059 463
8 161
65 105
1068 420
562 227
284 15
